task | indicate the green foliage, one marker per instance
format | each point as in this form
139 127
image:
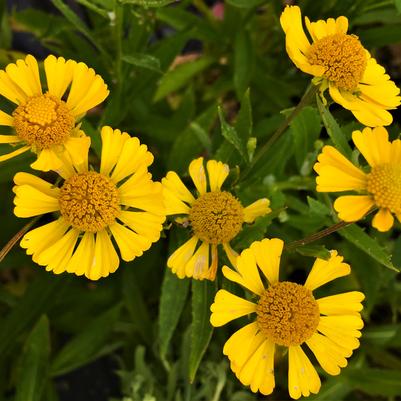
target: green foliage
190 84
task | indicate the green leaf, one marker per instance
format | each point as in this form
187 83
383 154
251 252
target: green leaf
316 251
244 121
317 207
363 241
172 301
203 293
305 129
375 382
245 3
179 76
89 344
333 129
143 60
33 372
149 3
230 134
243 60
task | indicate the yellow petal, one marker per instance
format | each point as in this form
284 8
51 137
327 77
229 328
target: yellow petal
25 74
112 145
35 241
143 223
227 307
82 259
130 244
320 29
10 90
133 157
256 209
177 261
346 303
10 139
6 119
30 201
231 254
247 273
302 376
172 182
197 173
38 183
17 152
258 370
217 172
78 149
57 255
210 273
47 160
139 184
395 151
353 207
172 203
198 264
267 254
373 144
330 356
383 220
337 173
58 74
324 271
87 90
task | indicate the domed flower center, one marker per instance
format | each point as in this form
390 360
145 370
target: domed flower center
287 313
216 217
89 201
343 57
43 121
384 183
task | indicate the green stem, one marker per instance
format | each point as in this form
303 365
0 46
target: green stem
317 236
306 99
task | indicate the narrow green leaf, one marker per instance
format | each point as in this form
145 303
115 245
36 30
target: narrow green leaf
244 121
230 134
243 60
363 241
33 372
98 10
172 301
334 130
178 77
317 251
149 3
88 344
245 3
317 207
143 60
201 330
305 129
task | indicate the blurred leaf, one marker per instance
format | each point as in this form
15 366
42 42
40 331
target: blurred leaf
175 79
316 251
397 4
99 10
88 345
384 335
245 3
360 239
230 134
381 36
332 389
244 121
173 296
305 129
149 3
243 60
203 293
375 382
143 60
333 129
33 372
317 207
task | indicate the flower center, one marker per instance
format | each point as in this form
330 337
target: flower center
89 201
287 313
216 217
43 121
343 56
384 183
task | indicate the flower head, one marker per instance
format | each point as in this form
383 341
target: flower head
339 62
380 187
287 315
215 217
119 201
47 122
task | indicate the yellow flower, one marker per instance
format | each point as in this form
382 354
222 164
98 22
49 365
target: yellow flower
287 315
340 63
380 187
120 201
46 123
216 217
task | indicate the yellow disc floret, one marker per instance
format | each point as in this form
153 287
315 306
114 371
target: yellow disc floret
43 121
216 217
343 56
89 201
287 313
384 183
